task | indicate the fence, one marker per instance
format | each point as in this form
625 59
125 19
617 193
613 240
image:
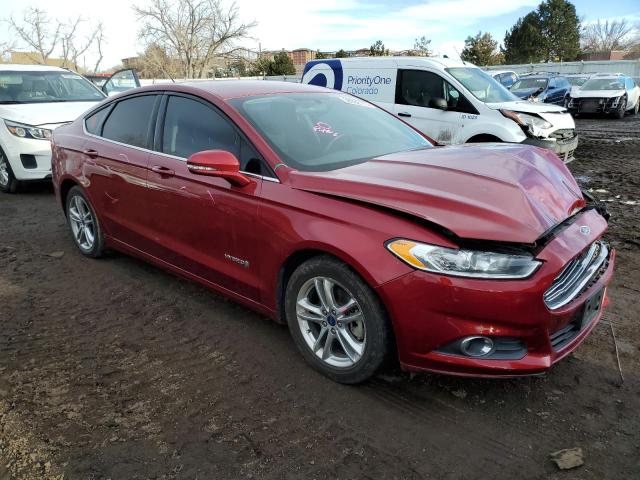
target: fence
627 67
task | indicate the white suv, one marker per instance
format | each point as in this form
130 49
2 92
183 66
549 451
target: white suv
34 100
451 101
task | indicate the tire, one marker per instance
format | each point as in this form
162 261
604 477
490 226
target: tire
622 110
356 349
83 224
637 107
565 103
8 182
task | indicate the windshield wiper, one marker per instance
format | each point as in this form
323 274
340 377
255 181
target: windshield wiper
9 102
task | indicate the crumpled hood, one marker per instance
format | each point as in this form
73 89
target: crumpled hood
41 114
597 93
501 192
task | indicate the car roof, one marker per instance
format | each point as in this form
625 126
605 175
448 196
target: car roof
227 89
15 67
438 62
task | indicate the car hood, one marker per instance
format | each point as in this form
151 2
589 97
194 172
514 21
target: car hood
40 114
527 107
500 192
597 93
526 92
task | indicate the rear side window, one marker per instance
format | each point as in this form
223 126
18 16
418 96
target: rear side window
191 126
129 121
93 123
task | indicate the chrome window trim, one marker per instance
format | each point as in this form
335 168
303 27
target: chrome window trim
155 152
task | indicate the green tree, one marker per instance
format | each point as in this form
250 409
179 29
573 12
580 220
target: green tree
523 43
378 50
281 65
421 45
260 67
560 29
341 54
481 50
320 55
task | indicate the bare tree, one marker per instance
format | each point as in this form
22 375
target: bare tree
192 31
100 40
605 36
34 31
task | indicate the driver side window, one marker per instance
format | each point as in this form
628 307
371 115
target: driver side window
420 88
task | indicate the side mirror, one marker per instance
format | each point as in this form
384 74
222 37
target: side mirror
217 163
439 103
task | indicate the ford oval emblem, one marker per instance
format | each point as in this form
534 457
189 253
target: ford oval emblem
585 230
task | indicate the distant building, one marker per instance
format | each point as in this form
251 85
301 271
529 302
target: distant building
34 58
612 55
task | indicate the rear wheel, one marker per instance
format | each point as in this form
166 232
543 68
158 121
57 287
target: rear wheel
8 182
84 224
337 322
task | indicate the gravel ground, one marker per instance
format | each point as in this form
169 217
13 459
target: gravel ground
114 369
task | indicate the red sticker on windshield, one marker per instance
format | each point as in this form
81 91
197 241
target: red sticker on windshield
324 128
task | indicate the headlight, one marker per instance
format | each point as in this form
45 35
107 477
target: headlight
525 119
28 131
463 263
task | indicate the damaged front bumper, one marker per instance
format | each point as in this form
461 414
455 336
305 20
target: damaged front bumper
603 105
563 146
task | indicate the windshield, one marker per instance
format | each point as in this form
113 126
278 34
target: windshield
44 87
603 84
530 83
577 81
326 131
481 85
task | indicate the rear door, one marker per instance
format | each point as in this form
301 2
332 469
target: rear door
117 152
202 224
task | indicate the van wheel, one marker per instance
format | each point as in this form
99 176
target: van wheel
336 320
8 182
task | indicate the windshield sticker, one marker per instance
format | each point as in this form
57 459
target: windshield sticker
325 129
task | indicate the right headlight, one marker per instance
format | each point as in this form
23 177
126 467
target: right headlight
525 119
27 131
463 263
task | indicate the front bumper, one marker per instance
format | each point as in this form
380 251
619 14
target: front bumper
594 105
563 147
30 159
431 312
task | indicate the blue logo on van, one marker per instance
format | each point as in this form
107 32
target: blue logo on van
317 73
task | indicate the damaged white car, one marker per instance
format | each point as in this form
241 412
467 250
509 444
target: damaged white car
451 101
614 94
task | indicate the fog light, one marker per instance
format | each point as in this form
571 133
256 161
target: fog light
477 346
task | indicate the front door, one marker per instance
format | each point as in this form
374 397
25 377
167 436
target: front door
201 224
417 94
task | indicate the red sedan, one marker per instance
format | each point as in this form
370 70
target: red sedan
321 210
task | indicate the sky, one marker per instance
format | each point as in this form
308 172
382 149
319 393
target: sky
328 24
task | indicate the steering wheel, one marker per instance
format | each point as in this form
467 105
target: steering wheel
335 141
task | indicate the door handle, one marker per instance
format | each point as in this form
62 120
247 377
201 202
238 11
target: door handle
163 171
90 153
404 114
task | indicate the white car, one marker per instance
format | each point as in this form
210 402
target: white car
614 94
34 100
451 101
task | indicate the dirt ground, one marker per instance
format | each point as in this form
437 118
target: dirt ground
115 369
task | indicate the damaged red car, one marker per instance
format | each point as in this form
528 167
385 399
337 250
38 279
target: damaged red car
327 213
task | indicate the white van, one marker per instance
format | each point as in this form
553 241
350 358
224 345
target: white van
451 101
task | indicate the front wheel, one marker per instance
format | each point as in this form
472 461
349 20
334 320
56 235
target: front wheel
623 109
84 224
336 320
8 182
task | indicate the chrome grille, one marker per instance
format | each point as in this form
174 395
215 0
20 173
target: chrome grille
577 275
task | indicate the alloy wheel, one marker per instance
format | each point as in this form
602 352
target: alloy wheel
82 223
4 171
331 322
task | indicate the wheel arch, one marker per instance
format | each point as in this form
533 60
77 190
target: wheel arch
484 138
65 186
